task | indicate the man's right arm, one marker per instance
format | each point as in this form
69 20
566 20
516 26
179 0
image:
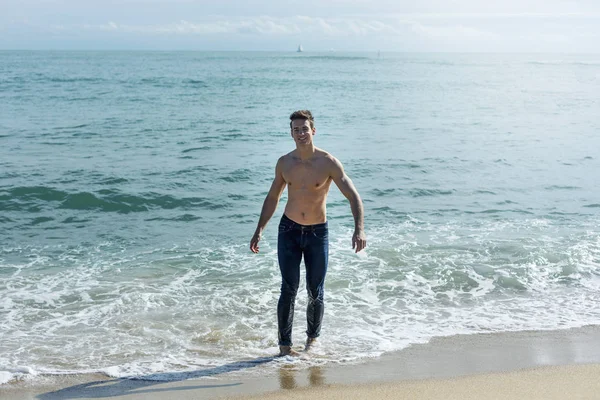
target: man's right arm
269 205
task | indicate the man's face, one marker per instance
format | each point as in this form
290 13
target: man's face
302 132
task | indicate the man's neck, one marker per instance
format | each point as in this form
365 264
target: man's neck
305 152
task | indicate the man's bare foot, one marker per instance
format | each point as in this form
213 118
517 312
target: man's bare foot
287 351
310 342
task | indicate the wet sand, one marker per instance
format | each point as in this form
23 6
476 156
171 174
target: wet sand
544 383
534 365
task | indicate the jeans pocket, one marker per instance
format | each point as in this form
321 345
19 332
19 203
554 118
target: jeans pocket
284 228
320 233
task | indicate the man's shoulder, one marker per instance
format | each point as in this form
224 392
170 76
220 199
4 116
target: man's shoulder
286 157
326 156
329 160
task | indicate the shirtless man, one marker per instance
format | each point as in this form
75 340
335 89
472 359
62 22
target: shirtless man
308 172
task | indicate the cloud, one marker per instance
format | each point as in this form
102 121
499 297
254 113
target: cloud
481 16
407 31
264 25
453 32
257 25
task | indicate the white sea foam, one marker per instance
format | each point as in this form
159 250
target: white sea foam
202 312
5 377
16 373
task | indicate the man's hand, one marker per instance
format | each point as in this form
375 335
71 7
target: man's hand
359 241
254 242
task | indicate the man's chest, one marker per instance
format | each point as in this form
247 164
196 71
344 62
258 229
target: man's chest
305 176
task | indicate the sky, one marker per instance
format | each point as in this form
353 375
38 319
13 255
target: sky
319 25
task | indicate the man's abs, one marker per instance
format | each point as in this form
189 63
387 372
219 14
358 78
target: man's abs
306 211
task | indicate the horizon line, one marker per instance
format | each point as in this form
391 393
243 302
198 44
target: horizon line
295 51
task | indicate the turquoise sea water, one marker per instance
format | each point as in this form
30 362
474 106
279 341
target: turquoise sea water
131 183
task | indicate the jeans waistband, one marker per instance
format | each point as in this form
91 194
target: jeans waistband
294 224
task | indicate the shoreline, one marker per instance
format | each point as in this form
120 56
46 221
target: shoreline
452 362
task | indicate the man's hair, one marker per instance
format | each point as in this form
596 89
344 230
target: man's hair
303 114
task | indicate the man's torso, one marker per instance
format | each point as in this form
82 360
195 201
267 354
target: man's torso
308 183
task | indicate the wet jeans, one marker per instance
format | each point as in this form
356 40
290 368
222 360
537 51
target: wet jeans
293 242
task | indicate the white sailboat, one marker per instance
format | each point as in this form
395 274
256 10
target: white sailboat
300 50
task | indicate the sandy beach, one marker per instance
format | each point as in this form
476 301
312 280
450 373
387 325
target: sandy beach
573 382
521 365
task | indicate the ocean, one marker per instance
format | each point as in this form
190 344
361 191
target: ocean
132 182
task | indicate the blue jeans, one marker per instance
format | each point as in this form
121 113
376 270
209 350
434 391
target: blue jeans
293 242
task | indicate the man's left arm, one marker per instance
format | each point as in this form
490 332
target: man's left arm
344 183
